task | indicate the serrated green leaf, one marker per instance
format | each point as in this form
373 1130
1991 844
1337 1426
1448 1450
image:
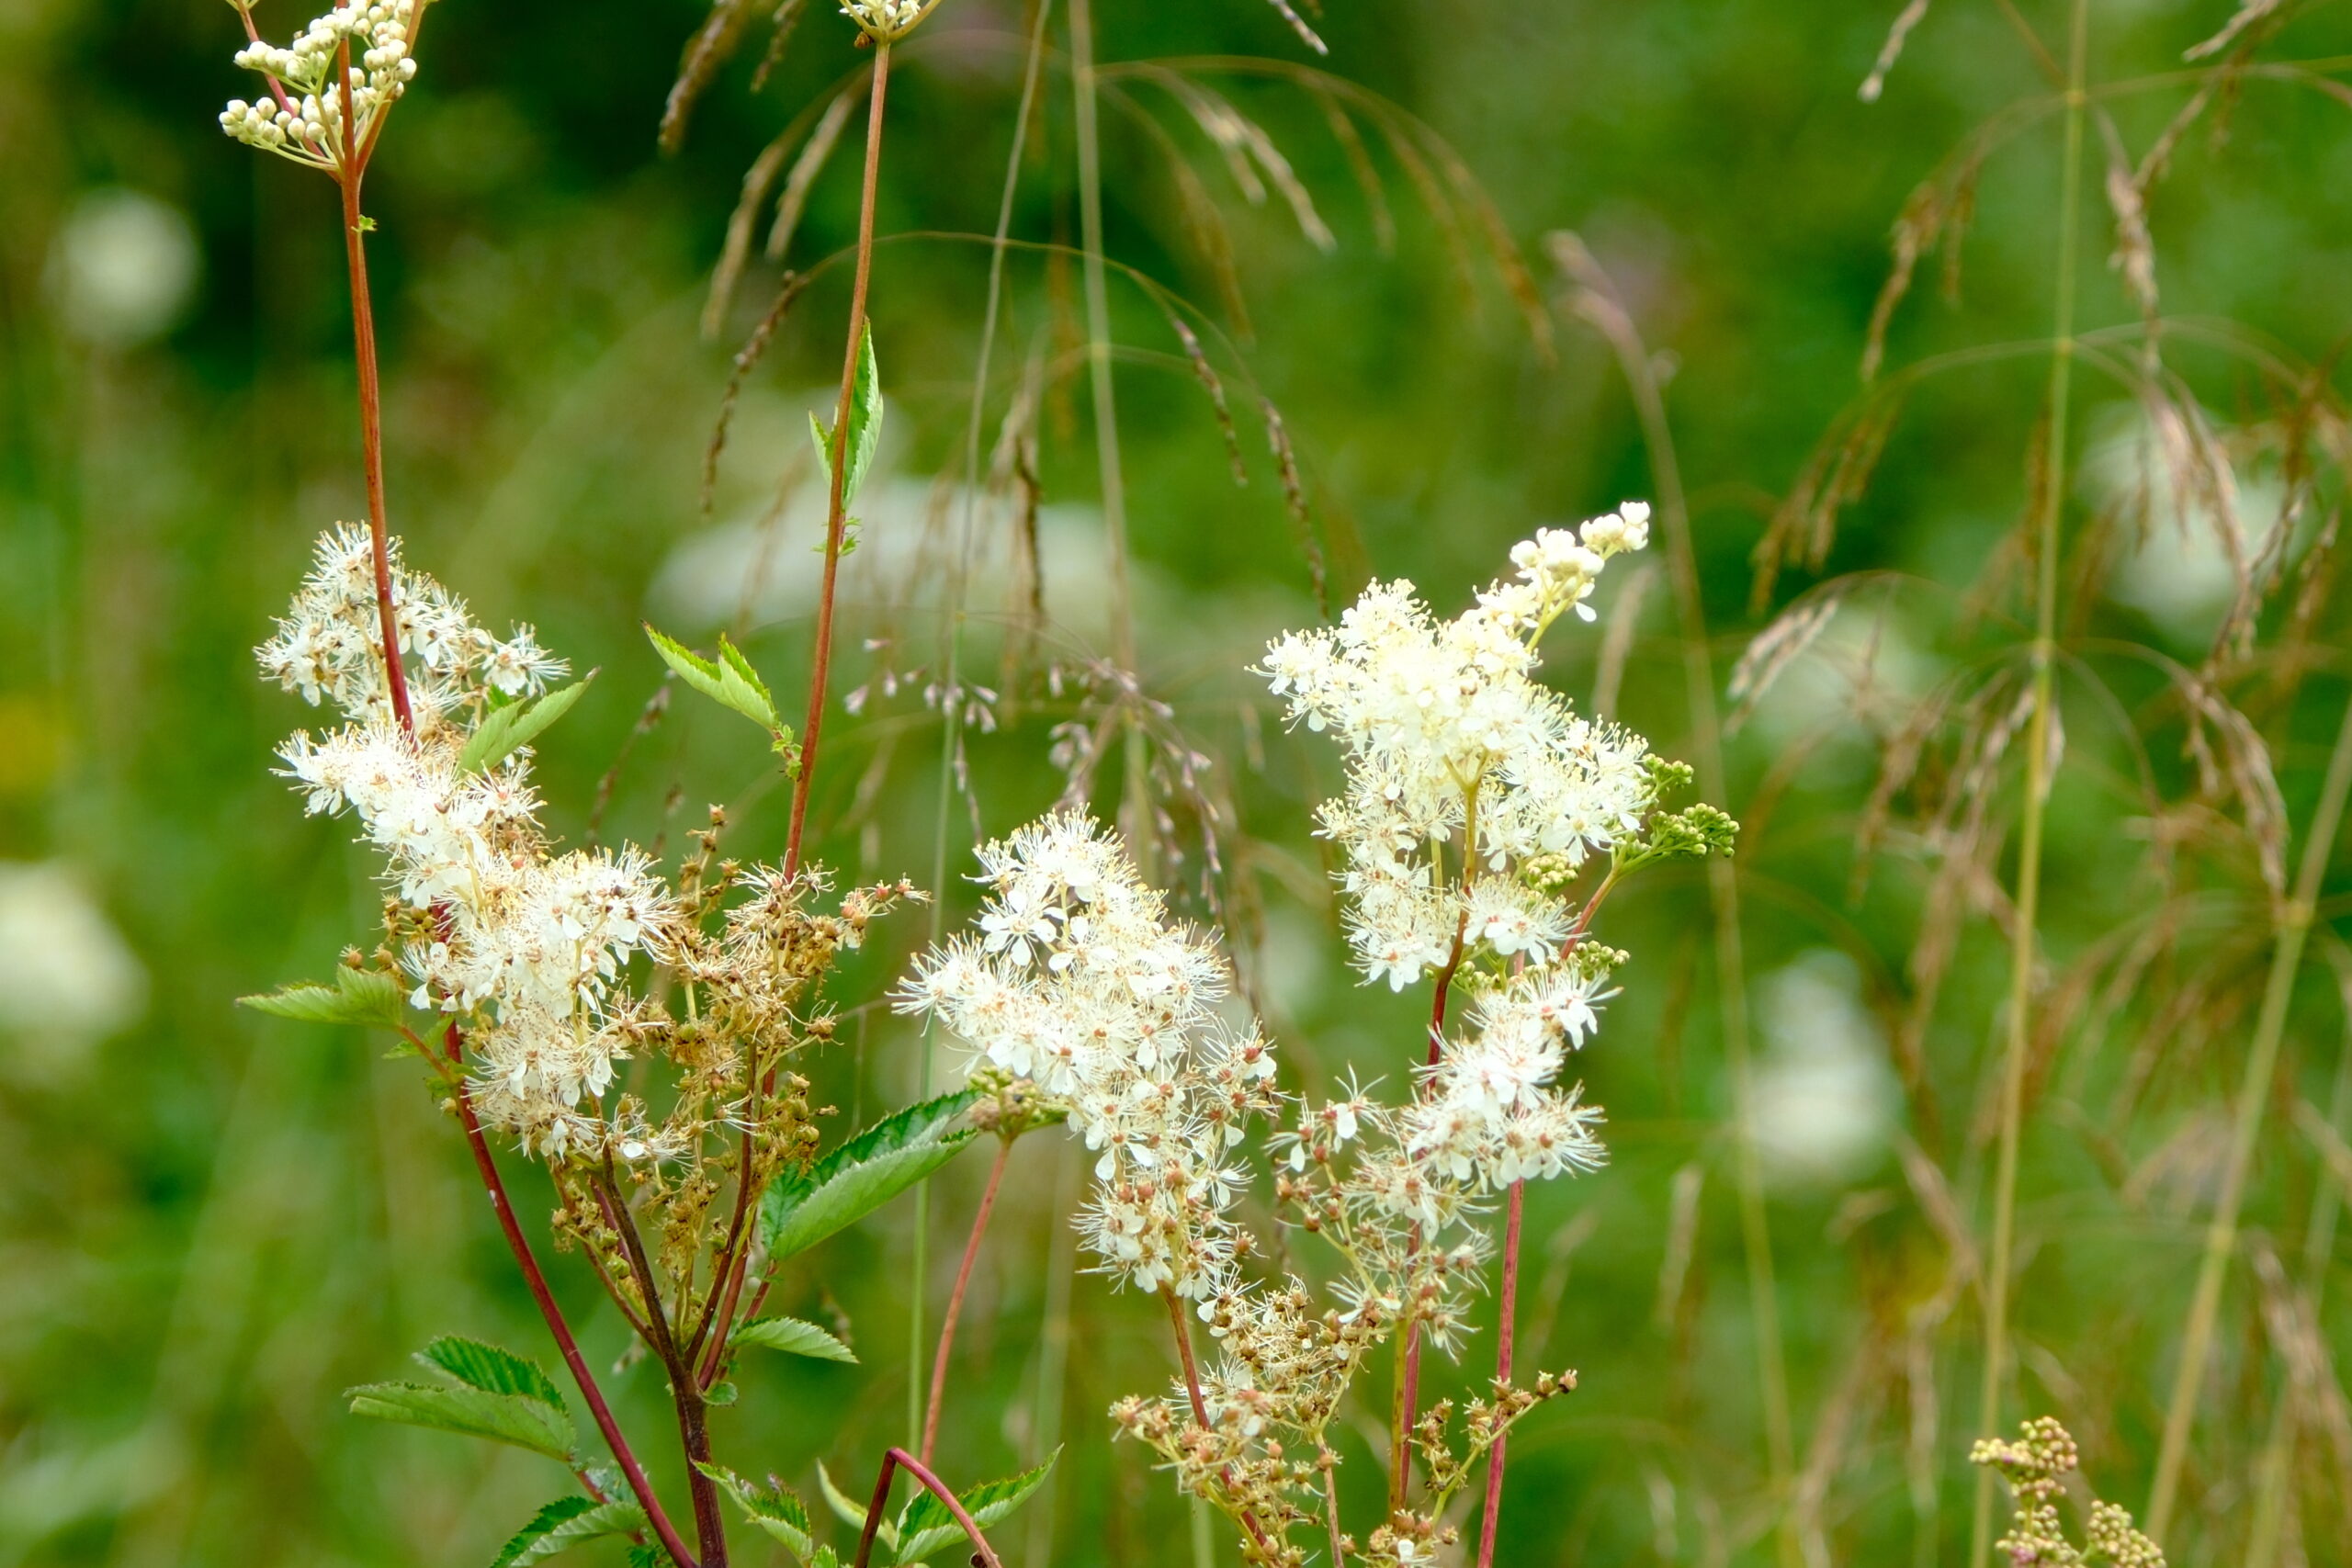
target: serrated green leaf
745 692
925 1525
865 422
491 1370
504 731
502 1417
794 1337
802 1208
560 1511
653 1557
853 1512
565 1523
824 1558
777 1510
366 997
728 681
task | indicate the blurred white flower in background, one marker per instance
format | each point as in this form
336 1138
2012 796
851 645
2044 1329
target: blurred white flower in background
1824 1100
122 268
2178 572
67 979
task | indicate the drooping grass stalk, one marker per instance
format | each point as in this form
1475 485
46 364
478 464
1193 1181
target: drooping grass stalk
1137 807
1608 316
2017 1046
2270 1497
349 174
2294 924
951 718
956 1299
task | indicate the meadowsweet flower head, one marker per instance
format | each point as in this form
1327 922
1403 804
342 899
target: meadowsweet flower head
524 950
1076 981
2036 1466
330 645
330 87
1471 787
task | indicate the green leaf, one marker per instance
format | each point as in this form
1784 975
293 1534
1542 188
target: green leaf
502 1417
744 691
795 1338
824 1558
852 1514
864 421
371 997
728 681
653 1556
565 1523
555 1513
505 730
802 1208
925 1525
491 1370
776 1510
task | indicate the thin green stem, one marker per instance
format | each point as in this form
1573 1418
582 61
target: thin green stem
2017 1046
1601 307
2272 1477
1136 810
2294 925
952 720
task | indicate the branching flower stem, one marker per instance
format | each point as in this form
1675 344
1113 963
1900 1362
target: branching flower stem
685 1391
835 507
1182 1332
566 1346
1600 305
893 1462
955 1297
349 177
2024 938
2294 924
731 1270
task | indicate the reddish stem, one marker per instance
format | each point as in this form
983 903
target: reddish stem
1200 1406
694 1435
566 1346
1502 1373
836 503
956 1299
371 440
1409 1382
1184 1354
892 1462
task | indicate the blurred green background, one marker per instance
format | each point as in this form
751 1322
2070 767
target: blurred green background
211 1222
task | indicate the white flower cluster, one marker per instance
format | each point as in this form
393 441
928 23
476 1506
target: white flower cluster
886 19
1077 983
1487 1115
1452 741
533 945
330 646
303 118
